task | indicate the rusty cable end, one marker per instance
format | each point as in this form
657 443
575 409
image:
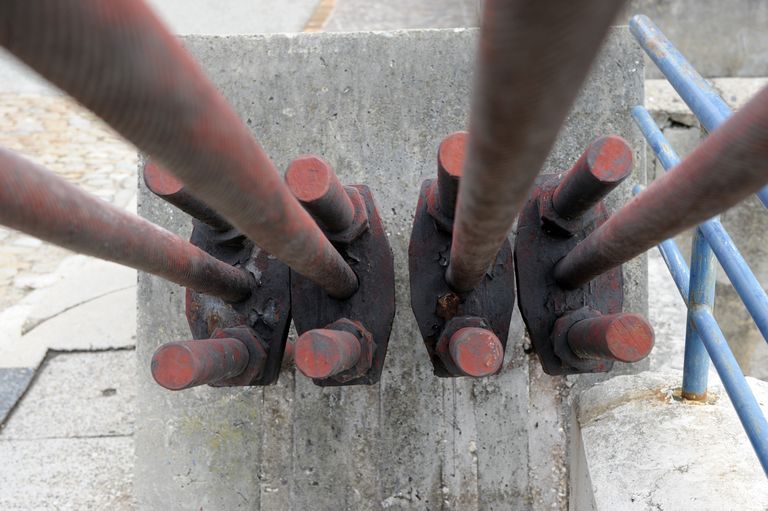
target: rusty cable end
160 181
184 364
476 351
322 353
601 168
314 183
450 165
623 337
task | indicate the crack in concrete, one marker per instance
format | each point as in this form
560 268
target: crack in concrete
30 325
76 437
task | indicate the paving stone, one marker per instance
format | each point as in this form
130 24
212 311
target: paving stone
79 279
102 323
67 474
13 382
78 395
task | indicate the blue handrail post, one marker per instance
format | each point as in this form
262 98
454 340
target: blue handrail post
701 295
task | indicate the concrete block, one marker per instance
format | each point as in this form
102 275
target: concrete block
78 396
67 474
720 38
375 105
638 446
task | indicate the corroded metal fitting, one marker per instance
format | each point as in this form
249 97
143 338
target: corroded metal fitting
232 357
468 347
587 340
339 210
603 166
441 196
341 351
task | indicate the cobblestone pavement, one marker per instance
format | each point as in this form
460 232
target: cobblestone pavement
57 133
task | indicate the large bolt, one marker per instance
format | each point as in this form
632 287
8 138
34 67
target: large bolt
603 166
624 337
476 352
184 364
168 187
450 162
322 353
314 183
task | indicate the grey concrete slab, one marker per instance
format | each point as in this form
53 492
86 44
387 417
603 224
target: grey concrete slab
67 474
78 280
375 106
720 37
105 322
645 448
212 17
353 15
13 383
78 395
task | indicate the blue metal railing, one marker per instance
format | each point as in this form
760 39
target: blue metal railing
698 94
704 339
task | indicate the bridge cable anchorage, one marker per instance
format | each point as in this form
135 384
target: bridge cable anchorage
533 58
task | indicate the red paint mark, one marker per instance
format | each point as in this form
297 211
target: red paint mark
160 181
624 337
309 178
476 351
610 159
185 364
173 367
629 337
450 155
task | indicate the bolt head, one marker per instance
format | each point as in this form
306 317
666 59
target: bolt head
476 352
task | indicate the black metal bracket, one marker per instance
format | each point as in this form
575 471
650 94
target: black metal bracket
543 238
373 304
267 312
434 303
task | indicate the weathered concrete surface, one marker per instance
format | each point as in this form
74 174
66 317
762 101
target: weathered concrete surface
68 444
376 107
349 15
72 398
684 133
667 313
720 37
638 446
212 17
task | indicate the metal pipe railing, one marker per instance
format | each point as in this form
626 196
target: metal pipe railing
533 58
744 281
40 203
701 295
730 164
734 382
121 62
703 100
